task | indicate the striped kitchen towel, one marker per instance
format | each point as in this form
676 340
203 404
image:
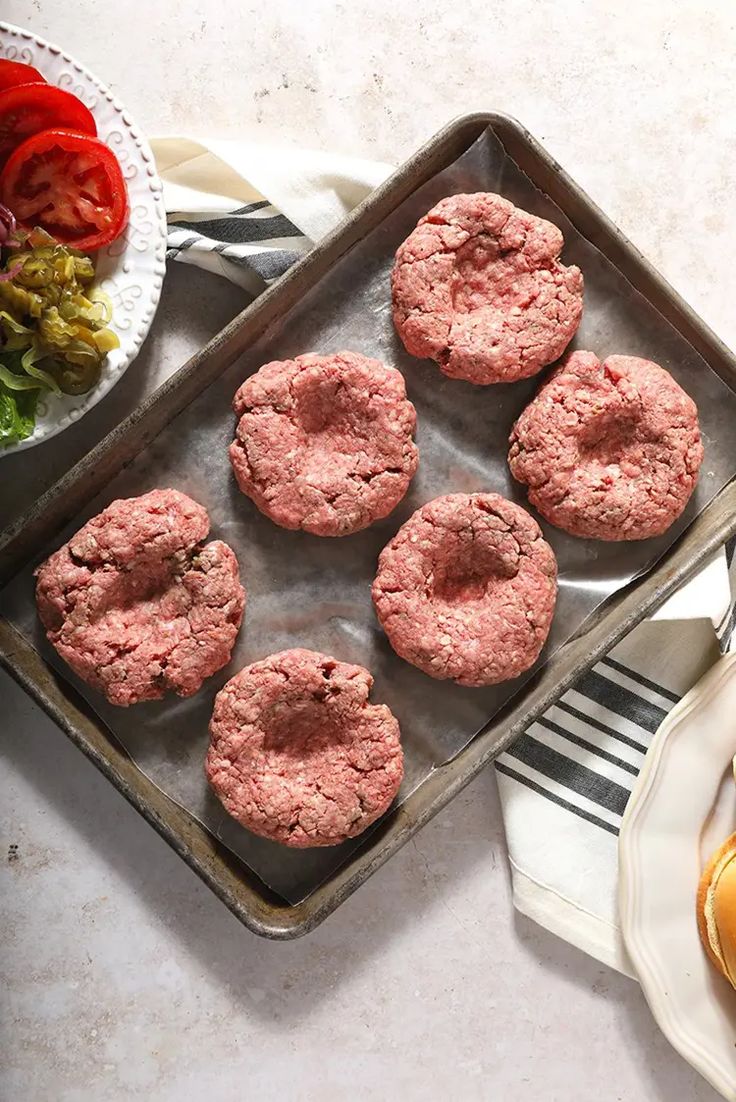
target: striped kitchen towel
565 783
252 245
226 204
248 213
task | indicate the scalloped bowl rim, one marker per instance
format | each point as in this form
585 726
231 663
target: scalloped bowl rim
140 262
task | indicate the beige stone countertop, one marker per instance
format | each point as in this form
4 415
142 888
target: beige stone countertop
123 977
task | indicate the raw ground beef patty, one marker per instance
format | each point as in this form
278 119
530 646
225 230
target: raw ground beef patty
478 286
324 443
137 603
466 589
609 451
297 752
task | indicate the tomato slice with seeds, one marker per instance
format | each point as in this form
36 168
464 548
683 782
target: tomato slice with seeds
69 184
26 109
17 72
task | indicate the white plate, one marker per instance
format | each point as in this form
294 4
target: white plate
130 269
682 808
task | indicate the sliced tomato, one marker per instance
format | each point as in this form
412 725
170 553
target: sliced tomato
69 184
26 109
16 72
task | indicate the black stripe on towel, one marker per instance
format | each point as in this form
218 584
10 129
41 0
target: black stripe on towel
591 746
250 207
553 798
636 676
578 778
725 636
722 622
185 244
621 700
239 231
625 739
268 265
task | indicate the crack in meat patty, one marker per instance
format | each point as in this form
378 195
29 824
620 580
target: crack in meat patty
466 589
324 443
138 604
479 288
297 752
608 451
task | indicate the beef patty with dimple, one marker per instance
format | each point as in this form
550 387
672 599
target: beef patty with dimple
478 287
298 753
137 603
324 443
608 451
466 589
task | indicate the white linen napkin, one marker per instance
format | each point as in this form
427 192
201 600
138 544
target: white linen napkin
248 212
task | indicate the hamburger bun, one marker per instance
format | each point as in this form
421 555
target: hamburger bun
716 909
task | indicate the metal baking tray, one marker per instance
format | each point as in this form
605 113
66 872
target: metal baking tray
259 908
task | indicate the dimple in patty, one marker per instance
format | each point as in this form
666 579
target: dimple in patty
463 573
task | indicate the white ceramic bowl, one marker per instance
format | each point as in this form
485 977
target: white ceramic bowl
130 269
682 808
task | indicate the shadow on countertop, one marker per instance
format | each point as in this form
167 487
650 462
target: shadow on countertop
671 1079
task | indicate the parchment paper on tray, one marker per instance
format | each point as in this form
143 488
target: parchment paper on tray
312 592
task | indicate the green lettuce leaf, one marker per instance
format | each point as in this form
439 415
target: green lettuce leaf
17 415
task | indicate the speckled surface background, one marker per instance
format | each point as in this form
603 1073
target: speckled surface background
122 976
